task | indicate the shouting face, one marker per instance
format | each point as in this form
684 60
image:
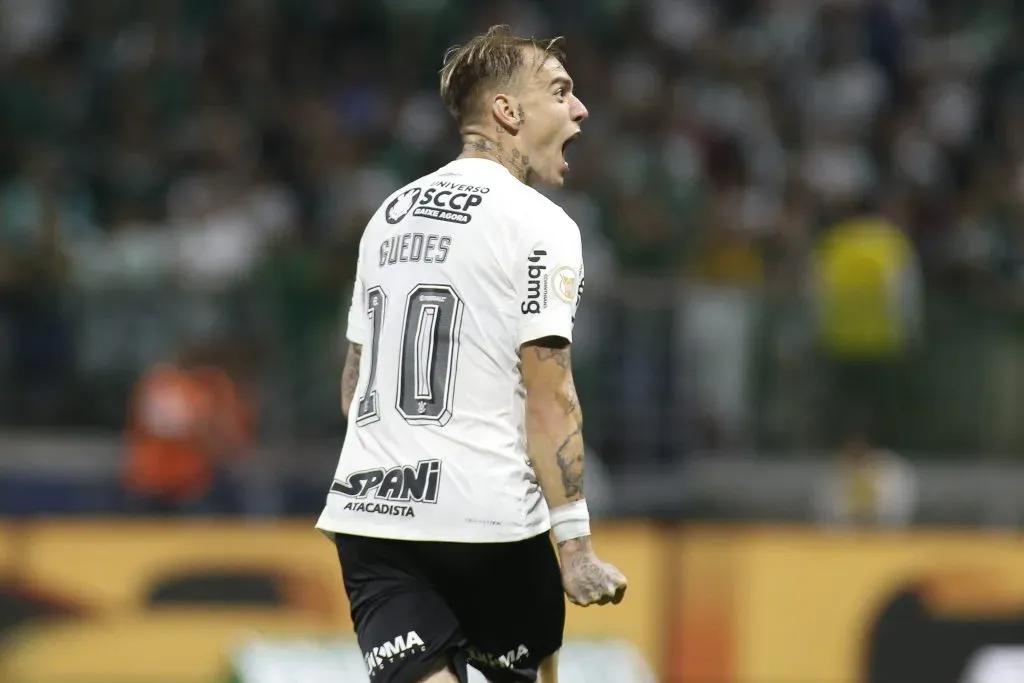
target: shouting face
550 116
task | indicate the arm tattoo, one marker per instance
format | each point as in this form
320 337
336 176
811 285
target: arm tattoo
570 454
350 375
568 400
570 461
559 356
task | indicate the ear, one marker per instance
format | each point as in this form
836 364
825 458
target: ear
503 109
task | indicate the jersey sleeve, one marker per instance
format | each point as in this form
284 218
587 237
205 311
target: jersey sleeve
357 320
549 280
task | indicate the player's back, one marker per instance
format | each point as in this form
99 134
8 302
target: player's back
456 270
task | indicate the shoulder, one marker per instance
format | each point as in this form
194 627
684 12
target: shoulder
392 210
540 214
397 204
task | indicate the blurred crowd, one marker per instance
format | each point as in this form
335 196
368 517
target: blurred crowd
163 153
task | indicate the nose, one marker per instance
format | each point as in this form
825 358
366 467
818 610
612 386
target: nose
578 111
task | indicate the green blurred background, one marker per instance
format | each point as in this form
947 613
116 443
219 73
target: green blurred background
803 224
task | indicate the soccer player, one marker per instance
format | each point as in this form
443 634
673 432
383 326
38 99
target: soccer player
464 444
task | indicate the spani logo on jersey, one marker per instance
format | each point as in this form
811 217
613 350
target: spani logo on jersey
397 484
401 204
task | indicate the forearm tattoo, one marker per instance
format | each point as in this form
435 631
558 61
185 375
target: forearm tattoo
568 401
570 462
570 453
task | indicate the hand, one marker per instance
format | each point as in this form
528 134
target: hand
587 580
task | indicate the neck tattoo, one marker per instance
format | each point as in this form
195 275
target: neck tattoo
518 164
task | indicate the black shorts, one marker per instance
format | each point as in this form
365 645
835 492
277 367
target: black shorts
495 606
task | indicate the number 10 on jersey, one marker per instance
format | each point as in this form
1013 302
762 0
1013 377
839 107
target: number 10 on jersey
428 358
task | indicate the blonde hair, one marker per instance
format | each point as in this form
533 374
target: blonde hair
488 60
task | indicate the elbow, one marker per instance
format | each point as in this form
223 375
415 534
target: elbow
538 412
552 406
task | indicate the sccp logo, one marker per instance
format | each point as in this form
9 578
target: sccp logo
401 204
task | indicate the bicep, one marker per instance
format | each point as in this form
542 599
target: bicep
547 367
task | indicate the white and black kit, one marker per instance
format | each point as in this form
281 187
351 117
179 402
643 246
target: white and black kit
455 272
495 606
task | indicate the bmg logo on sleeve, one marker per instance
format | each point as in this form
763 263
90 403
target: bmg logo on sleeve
536 284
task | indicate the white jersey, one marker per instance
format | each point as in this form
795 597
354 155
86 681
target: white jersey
456 270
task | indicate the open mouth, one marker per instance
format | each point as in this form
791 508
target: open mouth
570 140
565 145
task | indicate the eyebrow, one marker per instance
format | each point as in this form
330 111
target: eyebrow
563 80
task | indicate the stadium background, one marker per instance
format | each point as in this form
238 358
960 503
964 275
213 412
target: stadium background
799 351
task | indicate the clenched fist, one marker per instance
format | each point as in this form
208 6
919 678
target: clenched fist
588 580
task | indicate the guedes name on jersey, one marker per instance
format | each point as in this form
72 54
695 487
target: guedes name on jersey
414 247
